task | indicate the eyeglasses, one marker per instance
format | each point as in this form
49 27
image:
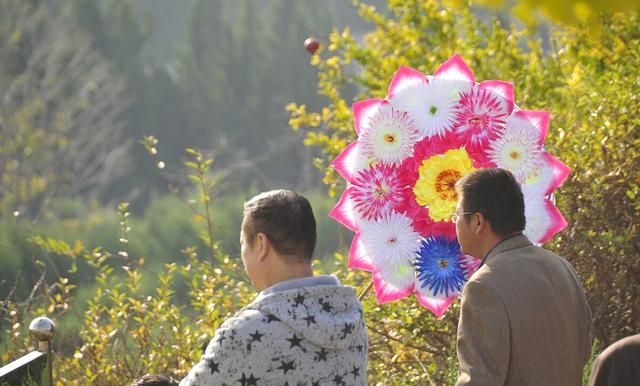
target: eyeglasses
456 216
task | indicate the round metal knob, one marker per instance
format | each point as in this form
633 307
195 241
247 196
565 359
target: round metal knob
42 329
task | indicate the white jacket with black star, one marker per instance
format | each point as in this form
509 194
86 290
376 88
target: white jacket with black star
290 335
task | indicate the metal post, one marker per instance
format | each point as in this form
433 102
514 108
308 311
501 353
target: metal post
43 329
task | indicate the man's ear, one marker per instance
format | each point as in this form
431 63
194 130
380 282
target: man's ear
480 222
263 244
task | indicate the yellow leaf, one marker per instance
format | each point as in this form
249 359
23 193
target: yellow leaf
78 247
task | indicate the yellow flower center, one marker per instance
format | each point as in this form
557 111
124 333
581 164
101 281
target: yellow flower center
389 138
443 263
446 184
515 155
436 185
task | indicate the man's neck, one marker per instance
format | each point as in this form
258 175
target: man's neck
288 271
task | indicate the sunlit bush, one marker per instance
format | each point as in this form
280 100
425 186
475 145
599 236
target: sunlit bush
590 86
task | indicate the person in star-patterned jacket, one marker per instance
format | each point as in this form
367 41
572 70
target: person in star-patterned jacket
301 329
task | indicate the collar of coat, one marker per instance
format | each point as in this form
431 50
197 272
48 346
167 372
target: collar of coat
512 242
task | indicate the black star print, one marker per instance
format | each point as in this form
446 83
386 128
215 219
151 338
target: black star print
251 381
347 329
355 371
213 366
299 299
310 319
321 355
256 336
221 339
326 306
294 341
271 318
359 347
286 366
338 380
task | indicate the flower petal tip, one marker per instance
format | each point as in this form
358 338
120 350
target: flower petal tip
403 78
455 68
363 111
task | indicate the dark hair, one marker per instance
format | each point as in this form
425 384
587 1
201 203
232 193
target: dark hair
155 380
497 195
286 218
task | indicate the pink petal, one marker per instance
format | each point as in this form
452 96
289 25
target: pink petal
347 161
538 119
444 228
560 172
404 78
455 68
386 293
502 88
363 110
358 258
344 212
556 224
470 265
437 306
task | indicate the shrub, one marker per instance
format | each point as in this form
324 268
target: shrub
590 86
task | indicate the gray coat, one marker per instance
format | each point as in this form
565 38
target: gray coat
311 335
524 320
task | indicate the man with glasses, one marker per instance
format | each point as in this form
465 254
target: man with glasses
524 318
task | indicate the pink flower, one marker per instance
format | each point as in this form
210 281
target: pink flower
377 190
481 117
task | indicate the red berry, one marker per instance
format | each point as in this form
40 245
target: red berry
311 45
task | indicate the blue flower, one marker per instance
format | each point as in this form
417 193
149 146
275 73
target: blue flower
439 266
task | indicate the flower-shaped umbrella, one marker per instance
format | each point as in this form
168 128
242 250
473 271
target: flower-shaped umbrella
412 148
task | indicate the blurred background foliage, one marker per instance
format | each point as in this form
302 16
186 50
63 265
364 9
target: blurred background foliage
583 14
101 99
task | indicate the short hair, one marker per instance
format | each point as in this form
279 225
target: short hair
286 218
155 380
497 195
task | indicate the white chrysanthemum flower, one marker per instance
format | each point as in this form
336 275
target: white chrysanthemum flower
389 136
517 149
390 241
431 104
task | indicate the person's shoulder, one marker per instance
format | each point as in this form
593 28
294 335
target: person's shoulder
488 274
245 319
520 259
484 281
623 346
